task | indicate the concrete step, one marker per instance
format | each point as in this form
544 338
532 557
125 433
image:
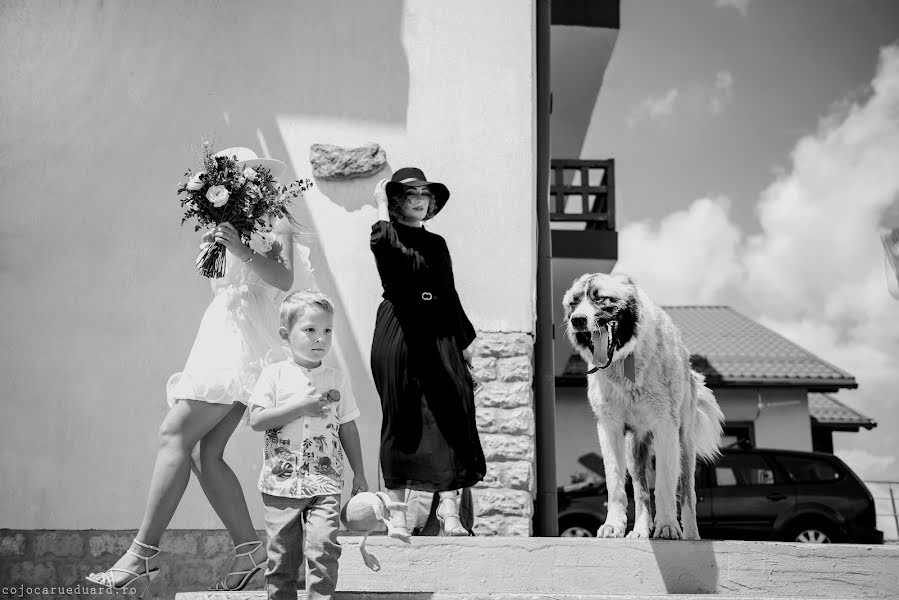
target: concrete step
301 595
578 569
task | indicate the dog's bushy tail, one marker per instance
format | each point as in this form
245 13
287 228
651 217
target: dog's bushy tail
709 419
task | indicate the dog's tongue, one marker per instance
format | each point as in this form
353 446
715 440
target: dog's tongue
601 346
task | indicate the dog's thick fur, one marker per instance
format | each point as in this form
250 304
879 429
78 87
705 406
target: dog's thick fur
666 410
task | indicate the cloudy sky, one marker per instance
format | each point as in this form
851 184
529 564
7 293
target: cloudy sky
757 149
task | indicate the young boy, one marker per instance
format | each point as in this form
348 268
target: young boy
308 412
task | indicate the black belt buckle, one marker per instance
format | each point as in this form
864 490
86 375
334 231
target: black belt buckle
426 296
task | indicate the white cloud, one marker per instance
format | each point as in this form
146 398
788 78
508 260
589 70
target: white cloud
699 99
867 465
673 262
815 271
721 93
740 5
654 107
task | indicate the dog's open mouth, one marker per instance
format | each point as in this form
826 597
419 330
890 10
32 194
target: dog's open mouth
603 341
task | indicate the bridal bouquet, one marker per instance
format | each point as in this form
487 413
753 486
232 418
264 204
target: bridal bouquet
224 191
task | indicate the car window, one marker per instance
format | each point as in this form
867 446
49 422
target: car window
743 469
806 469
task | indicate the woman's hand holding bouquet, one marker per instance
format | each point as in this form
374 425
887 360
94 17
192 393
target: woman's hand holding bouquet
233 201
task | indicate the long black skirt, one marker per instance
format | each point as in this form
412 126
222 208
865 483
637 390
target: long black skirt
429 436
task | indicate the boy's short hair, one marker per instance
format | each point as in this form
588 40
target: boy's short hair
296 302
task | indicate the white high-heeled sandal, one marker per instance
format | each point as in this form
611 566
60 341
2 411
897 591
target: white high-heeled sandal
222 586
398 531
107 580
456 530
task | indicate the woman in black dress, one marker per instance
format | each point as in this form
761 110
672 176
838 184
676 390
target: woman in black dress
429 439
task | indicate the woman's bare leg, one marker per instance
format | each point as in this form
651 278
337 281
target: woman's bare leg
183 426
222 489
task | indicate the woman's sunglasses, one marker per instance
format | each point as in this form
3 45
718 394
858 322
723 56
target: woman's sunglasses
426 194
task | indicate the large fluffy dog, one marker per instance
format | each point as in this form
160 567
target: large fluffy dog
640 384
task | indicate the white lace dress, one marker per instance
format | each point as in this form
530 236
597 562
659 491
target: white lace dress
238 335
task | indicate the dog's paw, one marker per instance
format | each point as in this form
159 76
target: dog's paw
638 533
610 530
642 527
668 531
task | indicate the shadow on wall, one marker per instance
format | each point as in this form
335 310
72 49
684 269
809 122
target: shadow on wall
343 60
694 572
354 194
366 78
112 96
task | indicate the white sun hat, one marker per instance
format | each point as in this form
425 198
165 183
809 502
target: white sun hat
247 158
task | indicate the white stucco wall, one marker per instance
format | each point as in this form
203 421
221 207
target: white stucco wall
100 301
782 422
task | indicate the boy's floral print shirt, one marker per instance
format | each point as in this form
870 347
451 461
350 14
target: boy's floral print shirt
303 458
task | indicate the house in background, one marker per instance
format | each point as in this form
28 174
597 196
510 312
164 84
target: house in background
828 415
773 392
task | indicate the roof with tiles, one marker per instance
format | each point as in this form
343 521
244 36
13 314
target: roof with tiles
827 410
731 349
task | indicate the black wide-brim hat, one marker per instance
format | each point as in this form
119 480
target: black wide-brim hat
412 177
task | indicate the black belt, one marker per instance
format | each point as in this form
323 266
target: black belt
424 296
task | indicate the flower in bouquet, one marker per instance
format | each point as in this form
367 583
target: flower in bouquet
217 195
226 189
196 182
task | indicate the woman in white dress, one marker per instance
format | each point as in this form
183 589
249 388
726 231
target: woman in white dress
237 336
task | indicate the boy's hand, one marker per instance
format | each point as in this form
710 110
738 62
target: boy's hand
314 404
359 484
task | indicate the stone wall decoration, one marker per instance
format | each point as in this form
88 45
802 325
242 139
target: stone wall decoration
504 500
335 162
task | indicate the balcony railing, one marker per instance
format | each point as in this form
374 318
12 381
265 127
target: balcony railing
591 180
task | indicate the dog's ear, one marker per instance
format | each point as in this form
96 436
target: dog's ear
577 287
566 303
581 281
624 277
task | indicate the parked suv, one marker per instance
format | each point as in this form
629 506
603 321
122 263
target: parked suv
751 494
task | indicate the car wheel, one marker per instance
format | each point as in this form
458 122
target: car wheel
812 533
578 527
577 531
